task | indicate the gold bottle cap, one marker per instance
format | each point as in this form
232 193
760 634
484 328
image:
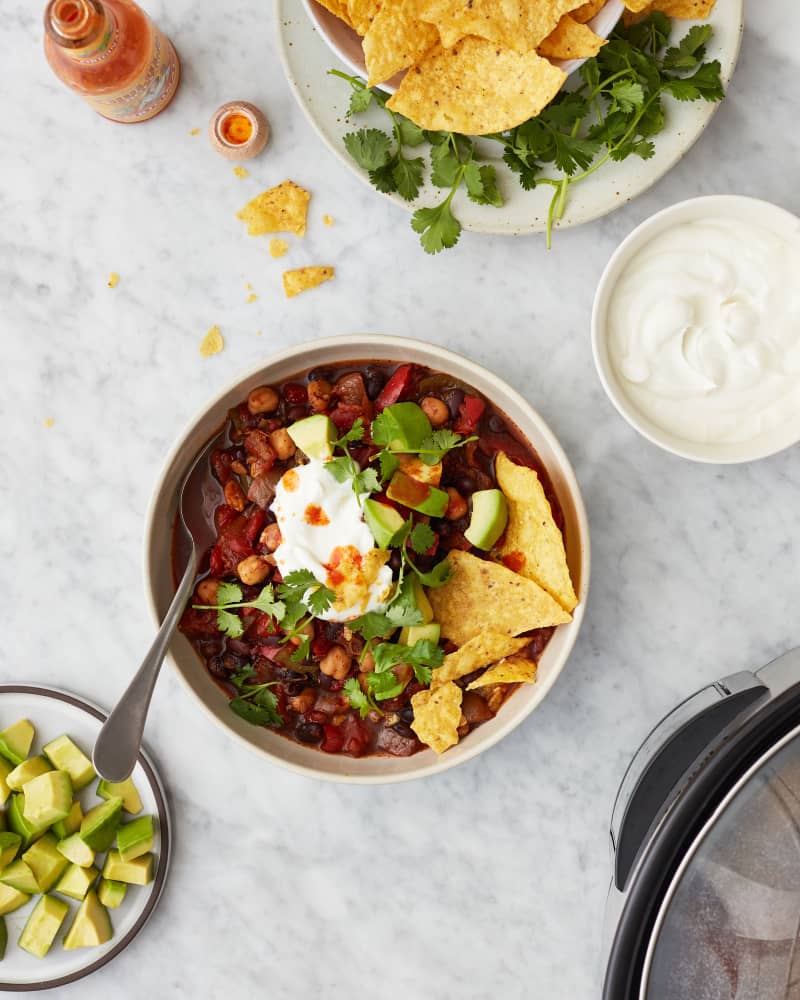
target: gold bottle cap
238 130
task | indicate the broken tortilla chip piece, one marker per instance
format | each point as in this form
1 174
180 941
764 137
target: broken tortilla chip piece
484 595
302 278
511 670
339 8
687 10
532 544
487 647
362 13
437 715
571 40
396 40
212 343
281 209
513 24
476 88
587 11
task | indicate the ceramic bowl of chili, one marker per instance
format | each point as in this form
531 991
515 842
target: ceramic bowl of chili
344 747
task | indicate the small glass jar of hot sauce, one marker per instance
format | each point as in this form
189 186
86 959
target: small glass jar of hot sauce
238 130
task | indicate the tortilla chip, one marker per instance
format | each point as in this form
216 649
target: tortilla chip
513 24
303 278
532 544
476 88
212 343
512 670
338 8
571 40
487 647
396 39
587 11
361 13
687 10
483 595
282 209
437 715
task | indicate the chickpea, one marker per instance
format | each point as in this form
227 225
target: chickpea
302 702
263 399
319 394
253 570
271 537
238 468
367 665
435 410
234 497
456 505
403 672
336 663
282 444
207 591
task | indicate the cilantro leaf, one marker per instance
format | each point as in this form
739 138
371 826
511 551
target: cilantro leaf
438 227
355 434
437 577
690 50
445 165
266 602
627 95
422 537
357 698
230 624
705 84
369 147
384 684
228 593
481 183
373 625
360 100
403 608
320 600
424 653
301 586
303 650
382 178
341 468
407 176
366 481
389 464
410 133
260 711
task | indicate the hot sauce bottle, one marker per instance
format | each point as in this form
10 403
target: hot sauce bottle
111 53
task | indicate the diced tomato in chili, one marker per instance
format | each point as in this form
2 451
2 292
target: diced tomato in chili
397 386
344 415
356 736
333 740
469 413
223 516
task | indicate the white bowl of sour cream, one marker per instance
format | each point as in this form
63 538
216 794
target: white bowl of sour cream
696 329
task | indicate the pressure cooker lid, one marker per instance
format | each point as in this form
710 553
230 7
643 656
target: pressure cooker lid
728 927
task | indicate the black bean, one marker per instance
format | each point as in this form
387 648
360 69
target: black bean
320 373
296 413
308 732
293 688
403 730
496 424
454 398
465 485
407 714
374 381
395 560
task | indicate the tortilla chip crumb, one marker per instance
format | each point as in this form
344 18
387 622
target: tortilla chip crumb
241 172
259 333
328 220
252 297
277 248
281 209
49 421
303 278
195 131
248 286
212 343
113 279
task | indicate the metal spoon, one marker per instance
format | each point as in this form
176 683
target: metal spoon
117 747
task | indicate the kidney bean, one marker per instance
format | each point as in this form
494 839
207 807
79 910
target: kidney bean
309 732
333 739
475 709
295 394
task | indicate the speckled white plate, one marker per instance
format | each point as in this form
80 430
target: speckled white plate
52 713
324 99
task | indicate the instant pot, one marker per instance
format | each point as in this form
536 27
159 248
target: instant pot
705 838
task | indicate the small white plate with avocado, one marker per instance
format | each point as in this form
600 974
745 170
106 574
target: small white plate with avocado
82 862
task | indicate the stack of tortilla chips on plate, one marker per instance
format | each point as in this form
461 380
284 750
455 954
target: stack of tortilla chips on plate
487 603
479 66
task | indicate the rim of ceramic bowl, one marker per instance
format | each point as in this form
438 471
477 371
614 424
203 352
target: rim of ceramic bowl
364 347
765 214
323 20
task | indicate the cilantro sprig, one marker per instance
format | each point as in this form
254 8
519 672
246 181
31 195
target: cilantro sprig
614 111
255 702
382 683
365 481
229 597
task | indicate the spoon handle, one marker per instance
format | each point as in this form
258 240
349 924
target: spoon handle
117 747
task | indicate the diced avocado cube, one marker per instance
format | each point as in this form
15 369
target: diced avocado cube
16 741
99 825
136 838
91 925
423 603
9 845
126 790
417 496
489 518
48 798
111 893
76 881
3 938
414 633
45 861
6 767
43 924
19 876
64 755
136 872
11 899
26 771
314 435
75 849
383 521
16 820
71 822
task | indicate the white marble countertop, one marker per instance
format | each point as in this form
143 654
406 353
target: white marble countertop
490 880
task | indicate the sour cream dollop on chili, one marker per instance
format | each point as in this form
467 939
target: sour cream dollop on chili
704 331
322 530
